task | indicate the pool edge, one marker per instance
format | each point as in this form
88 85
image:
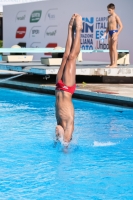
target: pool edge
79 94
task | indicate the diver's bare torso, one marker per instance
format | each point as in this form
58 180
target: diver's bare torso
112 22
64 108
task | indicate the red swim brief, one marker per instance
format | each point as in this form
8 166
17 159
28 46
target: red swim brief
61 86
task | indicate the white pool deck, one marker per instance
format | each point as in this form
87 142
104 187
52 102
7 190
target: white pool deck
84 68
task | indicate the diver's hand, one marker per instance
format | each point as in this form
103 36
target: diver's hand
102 38
115 37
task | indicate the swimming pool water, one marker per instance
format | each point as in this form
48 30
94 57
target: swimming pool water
98 165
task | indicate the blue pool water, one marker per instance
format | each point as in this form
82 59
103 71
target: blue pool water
98 165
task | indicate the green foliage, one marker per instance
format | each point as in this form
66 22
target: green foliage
1 43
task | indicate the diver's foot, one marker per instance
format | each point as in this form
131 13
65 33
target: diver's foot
72 20
113 66
78 21
109 65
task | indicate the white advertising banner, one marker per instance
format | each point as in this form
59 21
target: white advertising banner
11 2
45 24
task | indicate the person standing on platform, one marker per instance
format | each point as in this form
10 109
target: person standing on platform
114 28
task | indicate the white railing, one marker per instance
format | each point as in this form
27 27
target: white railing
50 50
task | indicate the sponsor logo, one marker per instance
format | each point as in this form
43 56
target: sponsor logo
51 14
35 31
50 45
87 34
35 16
21 15
21 18
88 25
100 45
35 45
51 31
101 23
100 26
65 87
21 31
